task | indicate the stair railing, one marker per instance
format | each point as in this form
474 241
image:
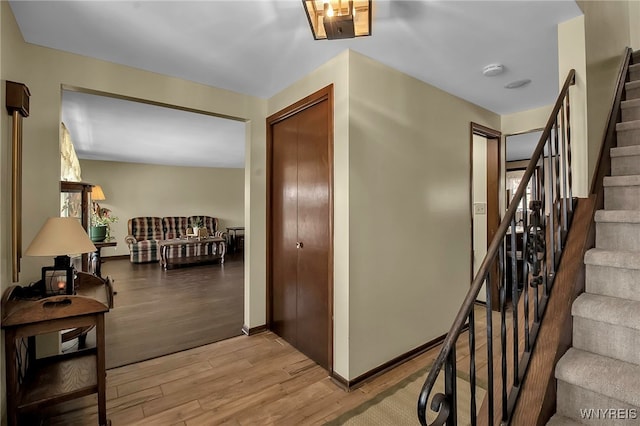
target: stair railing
545 200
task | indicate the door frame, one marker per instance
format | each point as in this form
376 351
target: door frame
324 94
494 138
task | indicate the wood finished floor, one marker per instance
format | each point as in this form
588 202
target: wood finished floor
245 380
160 312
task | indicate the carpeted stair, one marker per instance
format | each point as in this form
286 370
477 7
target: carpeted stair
598 378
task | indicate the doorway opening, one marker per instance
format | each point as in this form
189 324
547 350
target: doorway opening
171 167
485 191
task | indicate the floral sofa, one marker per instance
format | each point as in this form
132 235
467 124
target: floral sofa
145 232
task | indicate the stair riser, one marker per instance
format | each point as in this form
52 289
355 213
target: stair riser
622 198
633 94
614 282
618 236
625 166
631 114
572 399
628 137
606 339
634 74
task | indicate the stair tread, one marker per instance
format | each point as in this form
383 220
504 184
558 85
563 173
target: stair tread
628 125
613 258
625 151
617 216
626 180
632 103
559 420
600 374
607 309
632 85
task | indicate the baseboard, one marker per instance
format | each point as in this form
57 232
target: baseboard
381 369
116 257
254 330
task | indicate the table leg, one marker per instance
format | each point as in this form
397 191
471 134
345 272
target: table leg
96 262
102 374
11 378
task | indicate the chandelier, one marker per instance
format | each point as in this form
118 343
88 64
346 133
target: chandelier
337 19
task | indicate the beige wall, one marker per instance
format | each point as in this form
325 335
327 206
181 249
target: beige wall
634 24
607 33
409 156
333 72
44 71
151 190
572 55
525 121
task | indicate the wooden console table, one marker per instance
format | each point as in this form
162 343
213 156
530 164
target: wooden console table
33 384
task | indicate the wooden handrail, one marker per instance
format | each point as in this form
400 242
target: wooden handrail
603 166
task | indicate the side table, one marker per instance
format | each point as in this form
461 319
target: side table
32 384
96 260
234 238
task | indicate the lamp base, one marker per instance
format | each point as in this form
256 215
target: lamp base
58 279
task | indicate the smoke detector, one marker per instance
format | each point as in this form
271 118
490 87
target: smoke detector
493 69
517 84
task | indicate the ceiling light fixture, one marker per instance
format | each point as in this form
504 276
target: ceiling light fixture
492 70
338 19
517 84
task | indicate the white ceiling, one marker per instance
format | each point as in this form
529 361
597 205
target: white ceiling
259 47
111 129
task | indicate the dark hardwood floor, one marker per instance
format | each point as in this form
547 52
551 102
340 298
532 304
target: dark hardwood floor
160 312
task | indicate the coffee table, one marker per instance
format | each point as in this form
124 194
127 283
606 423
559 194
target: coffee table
195 250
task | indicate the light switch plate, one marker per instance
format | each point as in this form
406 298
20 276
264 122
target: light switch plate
480 208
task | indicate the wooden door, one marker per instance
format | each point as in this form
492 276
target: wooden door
299 231
284 227
313 233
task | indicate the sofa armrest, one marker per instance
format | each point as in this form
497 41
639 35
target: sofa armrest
130 239
220 234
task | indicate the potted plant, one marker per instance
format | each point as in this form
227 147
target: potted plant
197 224
101 220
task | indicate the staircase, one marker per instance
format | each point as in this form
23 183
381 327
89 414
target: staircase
598 379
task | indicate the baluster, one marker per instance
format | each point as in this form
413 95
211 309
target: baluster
565 210
450 386
532 252
472 365
550 230
525 264
557 205
489 310
514 299
503 331
568 131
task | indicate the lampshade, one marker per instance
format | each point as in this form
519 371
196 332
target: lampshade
60 236
336 19
97 194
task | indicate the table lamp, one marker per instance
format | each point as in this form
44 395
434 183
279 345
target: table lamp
60 237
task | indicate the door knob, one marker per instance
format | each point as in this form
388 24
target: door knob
299 244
